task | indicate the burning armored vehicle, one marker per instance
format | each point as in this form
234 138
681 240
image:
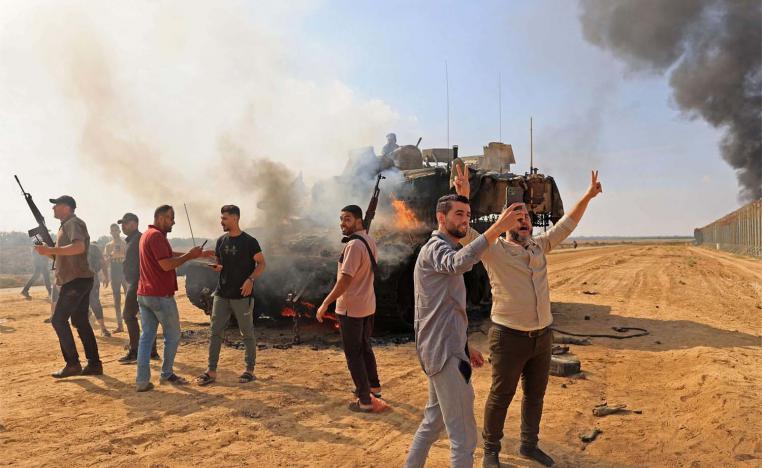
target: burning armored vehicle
405 184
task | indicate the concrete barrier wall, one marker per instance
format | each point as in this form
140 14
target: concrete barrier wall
738 232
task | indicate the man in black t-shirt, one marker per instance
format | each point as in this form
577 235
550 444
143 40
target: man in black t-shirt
240 262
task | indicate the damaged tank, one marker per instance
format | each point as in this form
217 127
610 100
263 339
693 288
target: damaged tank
302 257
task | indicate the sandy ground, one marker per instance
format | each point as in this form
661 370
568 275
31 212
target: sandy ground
696 379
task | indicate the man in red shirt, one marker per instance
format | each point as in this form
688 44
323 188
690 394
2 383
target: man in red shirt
156 296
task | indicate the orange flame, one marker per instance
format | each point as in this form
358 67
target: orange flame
404 217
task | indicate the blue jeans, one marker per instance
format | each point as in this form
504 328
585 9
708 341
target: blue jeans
155 310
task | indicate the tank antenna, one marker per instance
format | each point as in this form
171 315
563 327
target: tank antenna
500 104
531 148
189 225
447 94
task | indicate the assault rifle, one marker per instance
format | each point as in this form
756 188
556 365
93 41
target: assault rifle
40 233
370 213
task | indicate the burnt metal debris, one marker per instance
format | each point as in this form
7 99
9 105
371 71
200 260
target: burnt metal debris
301 260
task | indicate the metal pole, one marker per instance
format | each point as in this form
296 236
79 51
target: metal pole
447 92
500 104
531 147
189 225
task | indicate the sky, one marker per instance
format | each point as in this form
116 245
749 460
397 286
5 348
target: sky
106 101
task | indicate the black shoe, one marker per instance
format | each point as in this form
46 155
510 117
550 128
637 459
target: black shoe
93 369
173 379
155 357
68 371
537 455
491 459
26 294
129 358
47 320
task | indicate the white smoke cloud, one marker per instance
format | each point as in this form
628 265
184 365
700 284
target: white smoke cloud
148 96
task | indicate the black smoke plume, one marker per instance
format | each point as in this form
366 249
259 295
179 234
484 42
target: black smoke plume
712 51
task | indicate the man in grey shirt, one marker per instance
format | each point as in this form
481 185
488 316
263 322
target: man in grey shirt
441 327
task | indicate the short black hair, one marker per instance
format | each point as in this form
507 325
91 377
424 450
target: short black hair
231 209
444 204
163 209
355 210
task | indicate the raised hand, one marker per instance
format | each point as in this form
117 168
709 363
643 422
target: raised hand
461 182
595 186
511 217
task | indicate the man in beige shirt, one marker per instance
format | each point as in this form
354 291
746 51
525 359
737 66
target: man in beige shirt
520 338
114 254
356 306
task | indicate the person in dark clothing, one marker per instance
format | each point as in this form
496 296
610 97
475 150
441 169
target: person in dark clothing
131 270
96 262
76 280
240 262
41 268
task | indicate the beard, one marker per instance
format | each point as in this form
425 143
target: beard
520 236
456 231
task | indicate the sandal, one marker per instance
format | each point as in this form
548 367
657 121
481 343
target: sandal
247 377
204 379
357 408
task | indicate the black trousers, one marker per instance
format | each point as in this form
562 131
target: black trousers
515 356
355 335
131 310
73 303
39 270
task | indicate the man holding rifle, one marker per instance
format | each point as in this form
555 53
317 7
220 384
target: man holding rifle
75 278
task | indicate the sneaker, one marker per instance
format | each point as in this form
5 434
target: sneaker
144 387
129 358
537 455
26 295
95 368
173 379
68 371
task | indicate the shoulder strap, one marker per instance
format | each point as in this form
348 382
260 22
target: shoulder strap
373 264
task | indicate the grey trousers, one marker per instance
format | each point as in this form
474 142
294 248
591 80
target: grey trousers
450 407
221 310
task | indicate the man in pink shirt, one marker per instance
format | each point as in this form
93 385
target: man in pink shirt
356 306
